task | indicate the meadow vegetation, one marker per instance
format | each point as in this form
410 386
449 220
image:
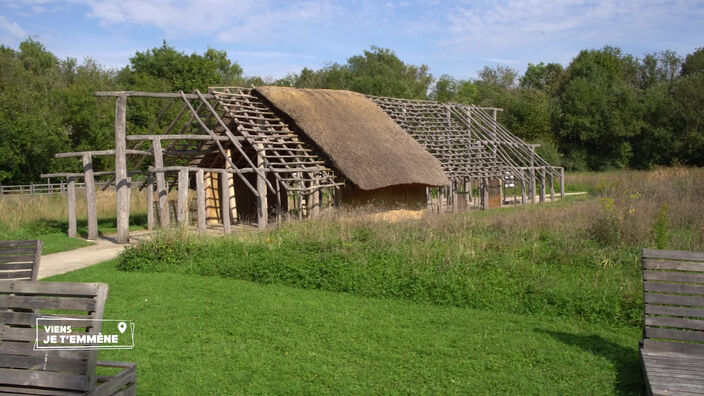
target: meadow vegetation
44 217
577 258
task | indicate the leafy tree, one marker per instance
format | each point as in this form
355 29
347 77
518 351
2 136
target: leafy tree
186 72
693 63
445 89
599 110
31 127
543 77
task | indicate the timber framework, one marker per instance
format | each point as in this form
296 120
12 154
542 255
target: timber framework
253 156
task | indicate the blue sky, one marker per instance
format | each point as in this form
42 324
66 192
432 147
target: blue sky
272 38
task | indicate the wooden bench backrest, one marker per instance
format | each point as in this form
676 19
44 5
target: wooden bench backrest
673 286
21 302
20 259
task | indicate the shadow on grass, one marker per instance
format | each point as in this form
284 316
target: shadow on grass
629 380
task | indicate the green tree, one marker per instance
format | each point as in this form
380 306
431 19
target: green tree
445 89
693 63
599 110
31 111
186 72
543 77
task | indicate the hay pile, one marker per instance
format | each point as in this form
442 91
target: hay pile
359 138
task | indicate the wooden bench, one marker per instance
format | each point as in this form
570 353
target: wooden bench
26 370
19 260
672 350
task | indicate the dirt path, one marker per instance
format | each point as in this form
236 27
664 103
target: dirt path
104 249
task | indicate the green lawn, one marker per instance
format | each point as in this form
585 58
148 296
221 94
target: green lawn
210 335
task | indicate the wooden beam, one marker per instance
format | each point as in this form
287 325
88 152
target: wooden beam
552 187
101 152
542 185
562 182
532 175
150 202
262 204
90 197
225 203
72 207
182 207
200 200
176 137
122 184
162 193
150 94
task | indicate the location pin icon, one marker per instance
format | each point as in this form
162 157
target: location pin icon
122 326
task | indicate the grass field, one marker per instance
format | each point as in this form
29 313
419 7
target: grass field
538 299
209 335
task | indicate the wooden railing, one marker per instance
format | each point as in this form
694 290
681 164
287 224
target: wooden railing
48 188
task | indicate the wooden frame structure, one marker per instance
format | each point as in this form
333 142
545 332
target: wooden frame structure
234 136
474 149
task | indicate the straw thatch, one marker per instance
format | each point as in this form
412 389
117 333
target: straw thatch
359 138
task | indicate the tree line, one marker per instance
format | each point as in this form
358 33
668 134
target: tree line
605 110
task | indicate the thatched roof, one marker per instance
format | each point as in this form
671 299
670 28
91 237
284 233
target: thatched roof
359 138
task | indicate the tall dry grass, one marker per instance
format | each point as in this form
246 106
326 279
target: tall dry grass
19 211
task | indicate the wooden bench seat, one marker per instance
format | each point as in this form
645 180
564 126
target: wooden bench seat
672 350
19 260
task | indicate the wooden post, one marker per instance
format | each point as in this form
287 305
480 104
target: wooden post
524 199
182 203
278 202
161 190
31 188
552 187
225 203
262 204
468 192
542 185
72 207
90 197
122 185
455 185
231 182
315 201
532 174
200 200
562 182
440 199
150 202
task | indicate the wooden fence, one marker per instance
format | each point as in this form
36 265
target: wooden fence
48 188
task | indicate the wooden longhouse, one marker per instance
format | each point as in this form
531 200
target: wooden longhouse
267 154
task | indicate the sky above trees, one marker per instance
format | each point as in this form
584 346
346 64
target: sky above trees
272 38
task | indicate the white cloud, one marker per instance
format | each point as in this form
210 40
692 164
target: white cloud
276 22
171 16
12 29
228 20
495 28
